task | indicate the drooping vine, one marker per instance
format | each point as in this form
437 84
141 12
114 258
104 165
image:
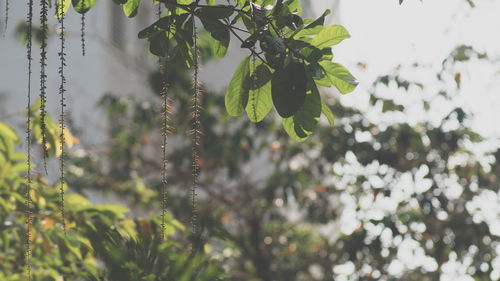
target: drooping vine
83 33
6 20
82 29
43 79
28 140
165 116
62 90
196 110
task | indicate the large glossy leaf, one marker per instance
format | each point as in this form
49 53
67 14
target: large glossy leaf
329 36
289 88
220 33
339 76
82 6
237 92
303 123
260 101
130 8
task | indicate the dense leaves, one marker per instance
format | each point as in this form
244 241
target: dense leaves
100 243
293 48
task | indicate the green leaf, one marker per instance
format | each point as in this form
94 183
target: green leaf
82 6
303 123
328 113
339 76
329 36
163 24
272 44
184 38
158 44
289 88
317 73
294 6
148 32
282 15
220 33
77 201
307 51
184 50
237 92
8 133
260 101
313 28
131 7
62 7
220 47
215 12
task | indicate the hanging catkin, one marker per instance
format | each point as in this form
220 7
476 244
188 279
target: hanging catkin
28 141
62 90
6 21
82 29
165 127
43 79
195 137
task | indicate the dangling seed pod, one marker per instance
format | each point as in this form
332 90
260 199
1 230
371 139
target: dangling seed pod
62 90
6 22
43 79
28 141
82 29
195 136
165 128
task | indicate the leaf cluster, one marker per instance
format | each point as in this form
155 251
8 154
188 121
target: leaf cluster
289 56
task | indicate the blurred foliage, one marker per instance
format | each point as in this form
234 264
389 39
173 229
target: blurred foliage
101 243
369 199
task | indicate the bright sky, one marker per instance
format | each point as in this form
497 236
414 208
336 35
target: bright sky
385 34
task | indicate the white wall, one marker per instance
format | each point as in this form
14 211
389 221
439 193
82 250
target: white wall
105 68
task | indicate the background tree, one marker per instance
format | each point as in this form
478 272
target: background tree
366 200
100 243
